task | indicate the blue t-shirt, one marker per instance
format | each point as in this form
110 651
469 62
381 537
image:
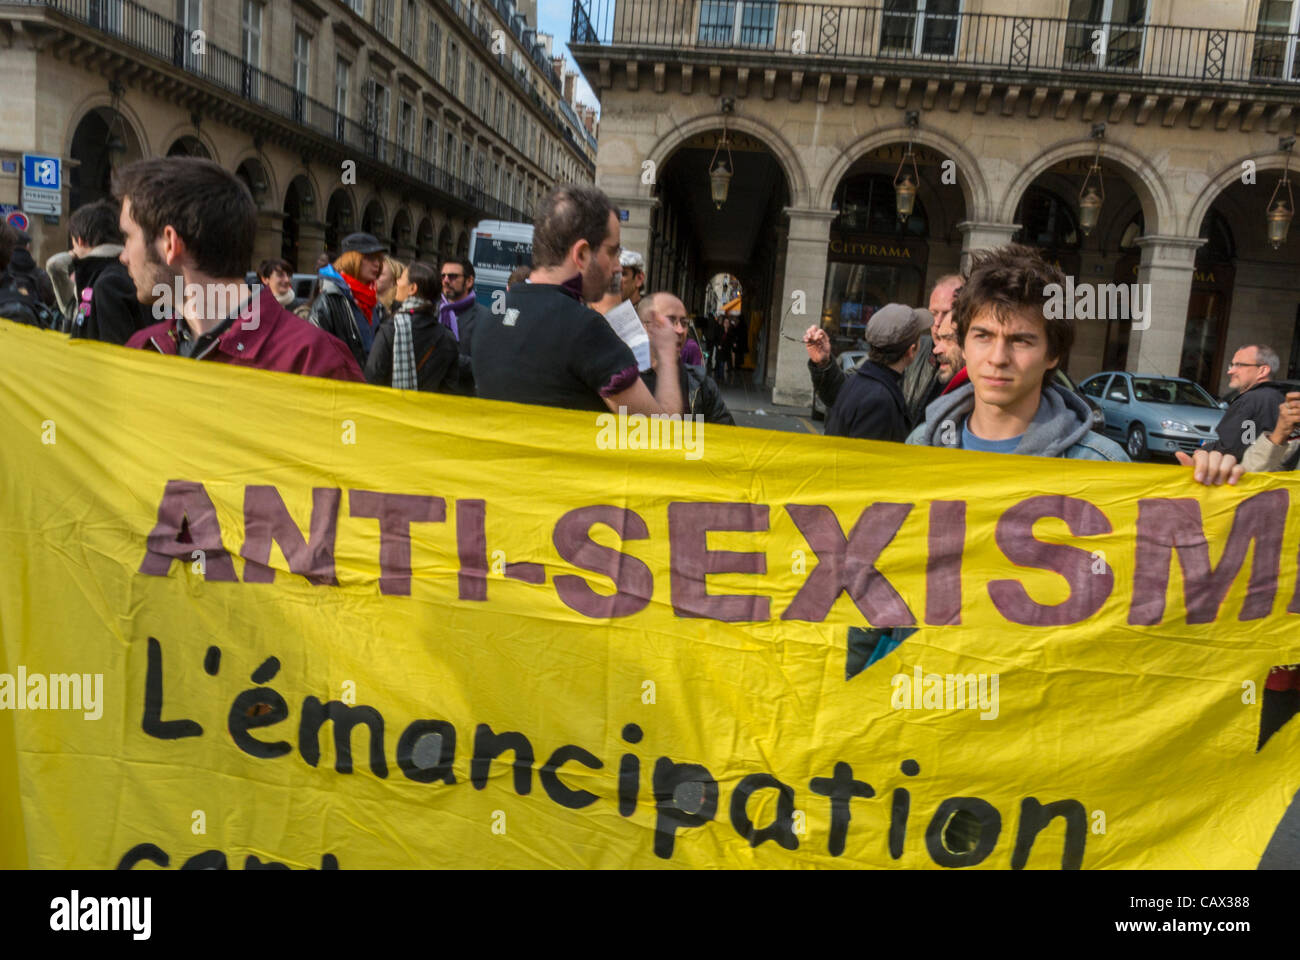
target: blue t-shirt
971 442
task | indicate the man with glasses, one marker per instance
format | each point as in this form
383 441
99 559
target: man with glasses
1254 412
460 312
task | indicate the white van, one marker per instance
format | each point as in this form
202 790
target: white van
496 247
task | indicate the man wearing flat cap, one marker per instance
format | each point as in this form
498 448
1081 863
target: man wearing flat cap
870 405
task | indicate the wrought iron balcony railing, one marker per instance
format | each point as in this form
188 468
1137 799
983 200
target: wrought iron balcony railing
170 42
1007 44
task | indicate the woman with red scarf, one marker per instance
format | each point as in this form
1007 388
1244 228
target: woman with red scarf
347 305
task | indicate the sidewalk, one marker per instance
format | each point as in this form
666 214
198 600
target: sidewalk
752 406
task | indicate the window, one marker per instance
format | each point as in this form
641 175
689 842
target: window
510 123
866 205
429 142
405 133
485 103
449 155
464 162
500 112
1276 39
189 14
738 23
410 27
433 49
471 84
920 28
251 45
301 60
358 7
378 117
453 68
1106 34
1095 386
1118 390
384 17
1047 221
106 15
342 83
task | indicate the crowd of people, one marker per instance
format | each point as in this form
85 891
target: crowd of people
979 370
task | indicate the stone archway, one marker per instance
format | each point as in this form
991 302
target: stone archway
102 140
340 219
1157 204
782 151
969 176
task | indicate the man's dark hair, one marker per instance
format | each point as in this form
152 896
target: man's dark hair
268 267
425 278
208 207
463 263
566 215
8 240
1012 279
95 224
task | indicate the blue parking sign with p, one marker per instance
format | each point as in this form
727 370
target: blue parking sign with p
42 173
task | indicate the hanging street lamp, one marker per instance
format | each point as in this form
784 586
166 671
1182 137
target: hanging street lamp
905 183
1092 194
720 173
1281 210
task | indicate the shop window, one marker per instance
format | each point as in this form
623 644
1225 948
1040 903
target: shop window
866 205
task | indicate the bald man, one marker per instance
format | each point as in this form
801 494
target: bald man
700 395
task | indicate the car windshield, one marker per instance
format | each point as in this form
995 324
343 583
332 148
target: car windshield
1152 390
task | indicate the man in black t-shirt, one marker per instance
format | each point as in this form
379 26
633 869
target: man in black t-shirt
548 347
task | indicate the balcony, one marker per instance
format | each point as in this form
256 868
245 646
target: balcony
959 46
150 37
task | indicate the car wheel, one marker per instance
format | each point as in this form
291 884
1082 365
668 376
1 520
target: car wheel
1137 442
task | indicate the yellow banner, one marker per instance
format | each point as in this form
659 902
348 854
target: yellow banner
254 618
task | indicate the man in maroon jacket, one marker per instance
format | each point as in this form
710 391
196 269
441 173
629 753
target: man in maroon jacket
189 227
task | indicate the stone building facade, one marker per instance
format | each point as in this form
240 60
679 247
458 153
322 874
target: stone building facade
1190 103
411 119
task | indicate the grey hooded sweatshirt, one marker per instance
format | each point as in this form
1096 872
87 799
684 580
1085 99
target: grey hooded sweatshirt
1062 427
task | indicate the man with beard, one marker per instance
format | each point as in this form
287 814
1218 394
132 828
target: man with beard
189 225
548 347
460 312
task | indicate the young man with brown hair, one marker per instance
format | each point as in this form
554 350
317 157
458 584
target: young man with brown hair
189 226
1011 349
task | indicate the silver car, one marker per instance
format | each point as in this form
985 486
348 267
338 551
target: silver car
1154 414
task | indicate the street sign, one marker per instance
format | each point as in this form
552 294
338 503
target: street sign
623 215
14 216
42 184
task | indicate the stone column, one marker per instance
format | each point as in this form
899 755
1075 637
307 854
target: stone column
311 244
635 230
803 288
269 242
983 236
1165 274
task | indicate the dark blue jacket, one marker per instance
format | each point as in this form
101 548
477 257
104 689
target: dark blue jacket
870 406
